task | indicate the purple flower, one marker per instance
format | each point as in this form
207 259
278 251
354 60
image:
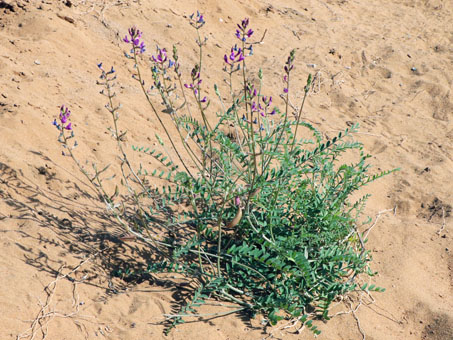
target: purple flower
289 63
237 201
267 101
142 47
161 56
134 38
236 56
204 100
285 90
198 22
64 118
244 24
242 33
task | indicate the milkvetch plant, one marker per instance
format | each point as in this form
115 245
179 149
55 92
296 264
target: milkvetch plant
257 209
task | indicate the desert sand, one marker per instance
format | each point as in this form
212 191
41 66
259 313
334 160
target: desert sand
385 64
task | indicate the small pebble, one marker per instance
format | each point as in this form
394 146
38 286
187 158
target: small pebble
413 69
311 65
37 62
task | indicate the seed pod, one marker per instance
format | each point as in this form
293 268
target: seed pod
235 221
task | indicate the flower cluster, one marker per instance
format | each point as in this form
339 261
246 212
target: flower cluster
63 118
242 33
63 124
261 107
161 57
196 81
104 73
235 56
289 65
176 62
197 22
134 38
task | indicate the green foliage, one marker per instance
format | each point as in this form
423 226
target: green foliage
272 226
266 218
296 246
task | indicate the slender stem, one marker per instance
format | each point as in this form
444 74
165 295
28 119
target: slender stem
298 120
156 114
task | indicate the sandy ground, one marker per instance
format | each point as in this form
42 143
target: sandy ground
386 64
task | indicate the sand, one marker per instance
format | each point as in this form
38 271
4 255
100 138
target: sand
385 64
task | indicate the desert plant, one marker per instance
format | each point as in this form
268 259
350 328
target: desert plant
254 213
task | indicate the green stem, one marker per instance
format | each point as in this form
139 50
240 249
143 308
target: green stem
156 114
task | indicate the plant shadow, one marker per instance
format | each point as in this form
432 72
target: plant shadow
77 225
